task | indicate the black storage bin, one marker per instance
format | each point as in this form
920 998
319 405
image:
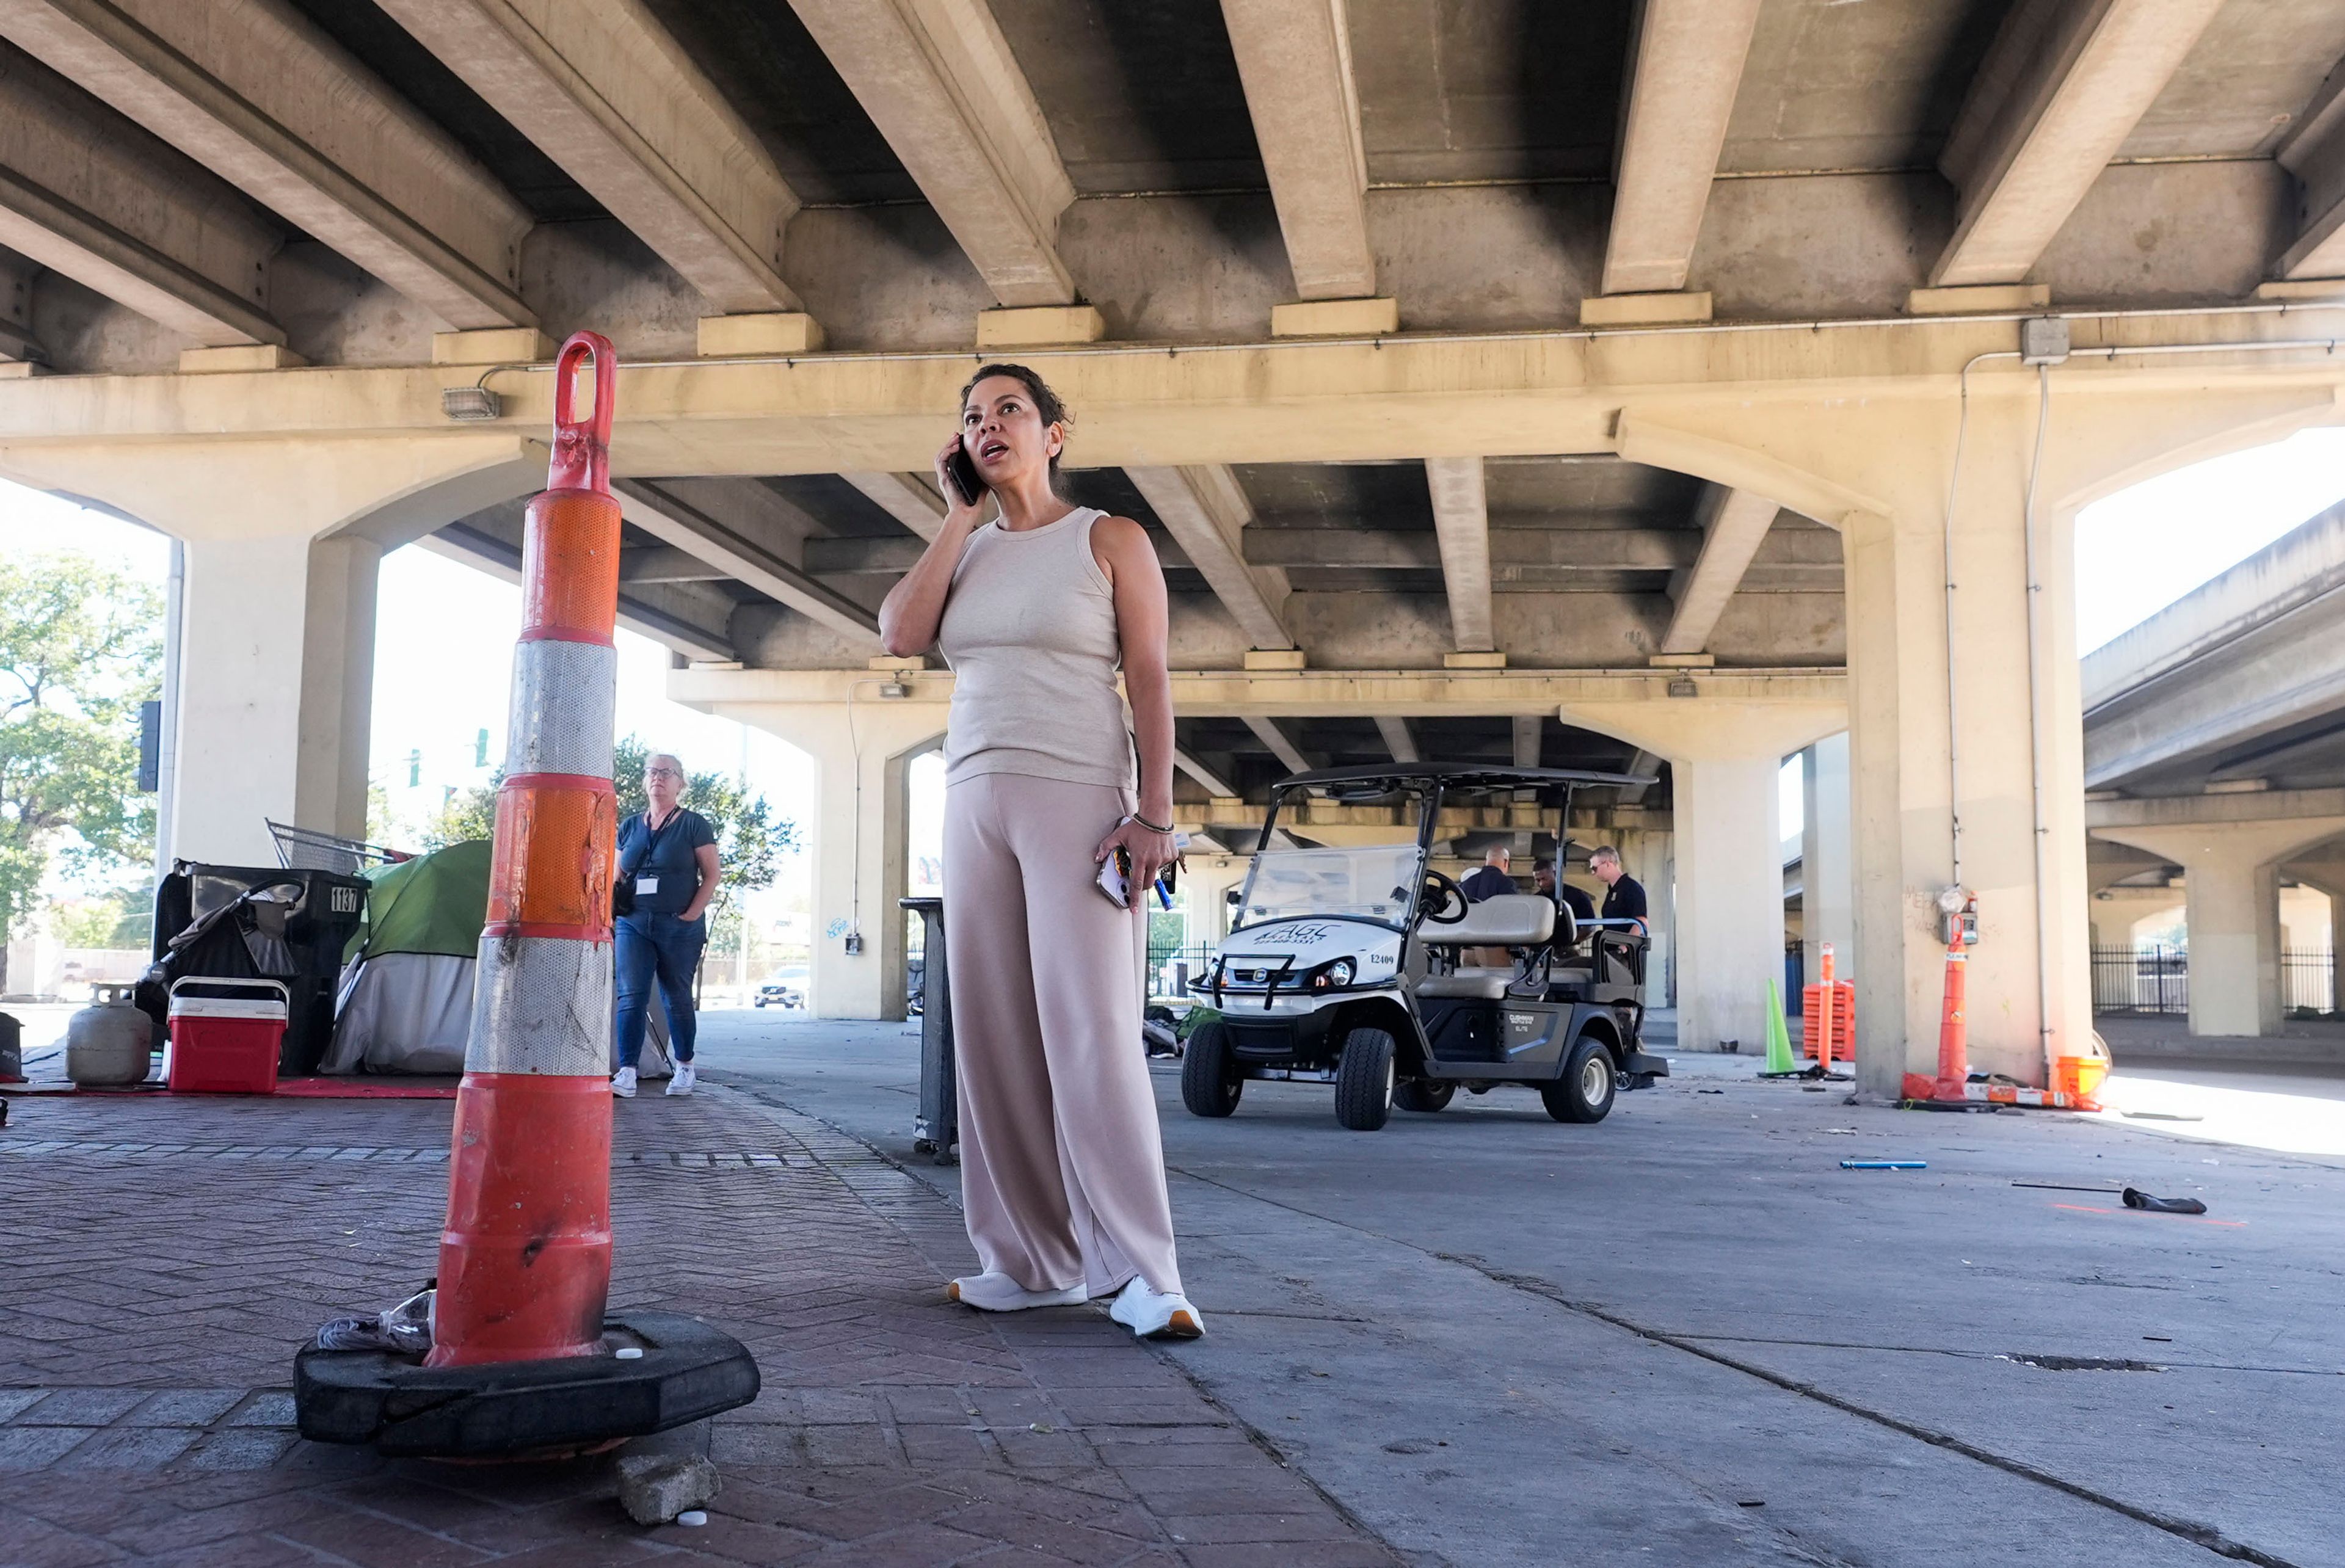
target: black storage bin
325 914
938 1128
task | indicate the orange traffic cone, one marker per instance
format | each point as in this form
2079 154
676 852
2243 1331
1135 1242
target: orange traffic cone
1954 1031
526 1260
525 1255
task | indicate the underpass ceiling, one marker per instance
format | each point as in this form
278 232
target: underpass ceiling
1833 85
392 52
779 80
2237 90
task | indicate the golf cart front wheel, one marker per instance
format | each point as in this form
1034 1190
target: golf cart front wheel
1209 1084
1363 1081
1425 1095
1588 1086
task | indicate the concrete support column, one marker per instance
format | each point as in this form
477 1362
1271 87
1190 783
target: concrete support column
1205 881
2231 883
860 837
1827 887
1904 741
1650 856
276 693
2323 869
1730 916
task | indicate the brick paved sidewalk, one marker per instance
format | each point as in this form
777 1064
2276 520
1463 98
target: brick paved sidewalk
165 1256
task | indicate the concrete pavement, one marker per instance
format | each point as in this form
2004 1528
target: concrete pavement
1684 1336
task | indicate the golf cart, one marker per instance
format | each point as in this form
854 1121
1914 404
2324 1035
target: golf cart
1366 968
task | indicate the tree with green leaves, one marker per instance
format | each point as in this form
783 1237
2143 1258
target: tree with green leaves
750 838
81 647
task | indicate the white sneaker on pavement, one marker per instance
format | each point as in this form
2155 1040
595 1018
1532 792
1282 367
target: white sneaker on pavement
682 1082
1000 1293
622 1083
1149 1314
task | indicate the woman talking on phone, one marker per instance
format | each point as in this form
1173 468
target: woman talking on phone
1062 1170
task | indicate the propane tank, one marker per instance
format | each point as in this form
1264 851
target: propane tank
107 1046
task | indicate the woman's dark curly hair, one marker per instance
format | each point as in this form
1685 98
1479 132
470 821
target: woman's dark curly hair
1046 402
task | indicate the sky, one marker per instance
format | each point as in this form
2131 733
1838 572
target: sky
434 695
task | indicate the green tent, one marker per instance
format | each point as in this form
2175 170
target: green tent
405 1002
436 903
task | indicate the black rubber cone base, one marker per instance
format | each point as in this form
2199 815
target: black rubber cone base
510 1408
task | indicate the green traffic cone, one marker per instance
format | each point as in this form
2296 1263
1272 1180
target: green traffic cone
1779 1040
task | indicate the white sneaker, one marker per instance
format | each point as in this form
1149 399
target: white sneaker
622 1083
682 1082
1000 1293
1149 1314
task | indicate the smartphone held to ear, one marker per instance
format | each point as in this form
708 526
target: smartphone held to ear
963 468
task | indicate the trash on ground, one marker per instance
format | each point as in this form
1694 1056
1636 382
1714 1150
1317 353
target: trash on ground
2136 1199
693 1518
1884 1165
404 1330
629 1353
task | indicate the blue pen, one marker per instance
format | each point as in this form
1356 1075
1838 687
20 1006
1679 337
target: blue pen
1884 1165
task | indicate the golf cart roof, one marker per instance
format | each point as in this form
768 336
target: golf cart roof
1458 775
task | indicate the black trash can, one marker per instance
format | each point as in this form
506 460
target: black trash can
326 910
936 1129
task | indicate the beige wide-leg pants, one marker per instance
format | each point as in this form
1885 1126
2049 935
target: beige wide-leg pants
1062 1165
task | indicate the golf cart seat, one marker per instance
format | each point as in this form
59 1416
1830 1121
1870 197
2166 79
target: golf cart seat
1508 920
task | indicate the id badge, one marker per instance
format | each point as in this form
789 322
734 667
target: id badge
646 885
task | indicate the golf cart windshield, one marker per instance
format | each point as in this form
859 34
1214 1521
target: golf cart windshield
1377 882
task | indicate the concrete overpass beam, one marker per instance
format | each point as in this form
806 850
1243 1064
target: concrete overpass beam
1294 57
1398 738
276 693
939 80
1268 732
264 99
2313 150
1461 521
1206 511
1685 66
904 497
606 93
90 195
2060 89
735 544
1734 523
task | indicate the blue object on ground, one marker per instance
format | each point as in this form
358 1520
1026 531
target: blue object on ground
1884 1165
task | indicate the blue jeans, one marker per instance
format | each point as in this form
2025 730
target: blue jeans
653 945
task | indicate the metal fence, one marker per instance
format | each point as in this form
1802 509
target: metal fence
2156 979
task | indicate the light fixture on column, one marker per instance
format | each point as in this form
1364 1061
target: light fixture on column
1683 686
469 404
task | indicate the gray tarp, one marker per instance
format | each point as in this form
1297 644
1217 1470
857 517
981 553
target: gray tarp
411 1012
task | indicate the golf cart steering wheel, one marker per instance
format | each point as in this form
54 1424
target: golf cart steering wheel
1451 909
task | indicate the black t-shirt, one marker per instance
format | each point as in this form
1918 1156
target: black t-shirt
1625 899
1487 881
1582 907
669 856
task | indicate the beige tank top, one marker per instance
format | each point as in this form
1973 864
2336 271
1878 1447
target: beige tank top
1030 632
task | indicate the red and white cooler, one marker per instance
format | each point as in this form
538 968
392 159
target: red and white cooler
226 1043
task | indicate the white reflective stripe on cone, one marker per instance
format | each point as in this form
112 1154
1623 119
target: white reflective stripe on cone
541 1005
564 702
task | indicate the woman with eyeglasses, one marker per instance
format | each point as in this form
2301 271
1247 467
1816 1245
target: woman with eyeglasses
667 874
1054 794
